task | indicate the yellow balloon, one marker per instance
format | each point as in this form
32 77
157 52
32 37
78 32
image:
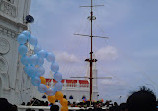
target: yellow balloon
63 108
59 95
51 99
64 102
43 80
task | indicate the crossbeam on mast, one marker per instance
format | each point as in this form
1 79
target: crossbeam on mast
93 6
92 36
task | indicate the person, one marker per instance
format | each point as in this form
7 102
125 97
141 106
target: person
46 103
54 108
28 104
123 107
6 106
142 100
23 103
28 109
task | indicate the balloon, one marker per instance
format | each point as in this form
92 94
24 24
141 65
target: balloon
31 71
43 80
64 108
33 59
51 99
37 48
27 33
42 88
42 54
54 67
25 60
40 61
59 95
64 102
50 91
58 86
47 88
40 71
50 57
58 76
22 39
33 41
22 50
36 81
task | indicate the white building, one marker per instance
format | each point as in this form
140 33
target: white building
76 90
14 84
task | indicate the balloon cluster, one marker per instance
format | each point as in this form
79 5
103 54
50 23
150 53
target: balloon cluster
33 67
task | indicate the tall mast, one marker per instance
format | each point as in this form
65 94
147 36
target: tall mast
91 60
91 52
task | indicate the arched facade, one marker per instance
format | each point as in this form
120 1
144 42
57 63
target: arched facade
14 84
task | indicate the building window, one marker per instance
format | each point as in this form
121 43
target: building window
71 97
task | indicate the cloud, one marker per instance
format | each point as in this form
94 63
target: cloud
113 82
107 53
66 57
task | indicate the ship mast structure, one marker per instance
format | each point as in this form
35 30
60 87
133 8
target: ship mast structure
91 60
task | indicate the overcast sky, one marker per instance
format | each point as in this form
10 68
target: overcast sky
130 56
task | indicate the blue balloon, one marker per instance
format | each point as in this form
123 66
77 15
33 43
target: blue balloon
27 33
42 88
55 67
36 81
40 71
30 71
40 61
50 57
22 50
33 41
50 91
58 86
58 76
34 59
25 60
22 39
42 54
37 48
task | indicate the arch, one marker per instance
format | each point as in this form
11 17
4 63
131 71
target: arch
71 97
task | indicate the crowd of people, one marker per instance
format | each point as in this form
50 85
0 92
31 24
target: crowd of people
141 100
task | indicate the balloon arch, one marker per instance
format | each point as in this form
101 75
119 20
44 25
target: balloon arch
33 67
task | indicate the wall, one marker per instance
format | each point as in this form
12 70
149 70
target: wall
14 85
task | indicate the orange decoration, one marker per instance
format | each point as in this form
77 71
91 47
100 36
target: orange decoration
47 86
63 108
51 99
59 95
43 80
64 102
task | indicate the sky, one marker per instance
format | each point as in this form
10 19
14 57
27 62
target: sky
129 56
